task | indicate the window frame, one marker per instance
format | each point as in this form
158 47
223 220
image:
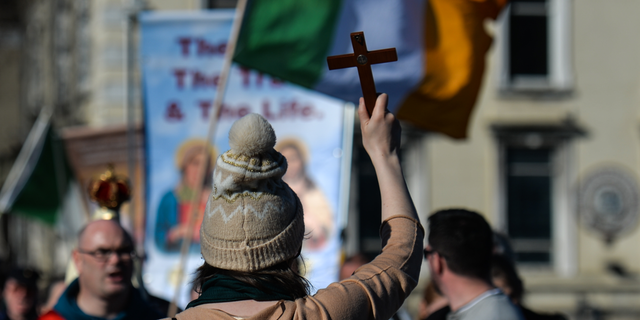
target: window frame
564 233
530 244
560 77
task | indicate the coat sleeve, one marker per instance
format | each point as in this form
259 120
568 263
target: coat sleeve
377 289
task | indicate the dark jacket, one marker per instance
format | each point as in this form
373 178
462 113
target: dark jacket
67 307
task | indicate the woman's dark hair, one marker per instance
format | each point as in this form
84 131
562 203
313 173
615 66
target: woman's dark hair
502 267
281 275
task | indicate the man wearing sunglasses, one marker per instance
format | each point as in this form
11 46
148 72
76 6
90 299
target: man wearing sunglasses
103 290
459 257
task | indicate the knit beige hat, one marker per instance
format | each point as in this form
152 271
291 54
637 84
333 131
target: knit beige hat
253 220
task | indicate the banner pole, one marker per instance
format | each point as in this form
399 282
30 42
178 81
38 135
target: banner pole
213 122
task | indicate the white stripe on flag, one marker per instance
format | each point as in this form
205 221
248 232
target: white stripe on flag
386 24
26 161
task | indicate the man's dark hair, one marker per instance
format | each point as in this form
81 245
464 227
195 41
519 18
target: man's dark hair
281 275
464 239
26 277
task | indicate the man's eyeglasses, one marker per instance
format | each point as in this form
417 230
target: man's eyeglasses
103 255
428 252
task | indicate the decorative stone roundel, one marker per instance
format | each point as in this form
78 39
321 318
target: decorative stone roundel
609 201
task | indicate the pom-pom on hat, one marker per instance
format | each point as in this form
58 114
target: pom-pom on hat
253 220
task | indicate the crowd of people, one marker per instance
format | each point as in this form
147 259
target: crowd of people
103 289
251 237
471 276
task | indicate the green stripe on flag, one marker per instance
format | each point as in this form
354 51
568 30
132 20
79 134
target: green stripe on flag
289 39
42 195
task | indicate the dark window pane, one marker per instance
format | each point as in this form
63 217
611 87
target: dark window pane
529 199
519 155
528 39
533 257
369 204
213 4
529 207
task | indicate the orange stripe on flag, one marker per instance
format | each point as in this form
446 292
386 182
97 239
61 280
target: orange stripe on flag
456 45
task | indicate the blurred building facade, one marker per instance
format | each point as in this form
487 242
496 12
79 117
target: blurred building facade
71 57
553 155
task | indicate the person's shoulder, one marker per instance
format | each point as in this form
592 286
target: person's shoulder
502 308
147 308
51 315
495 307
440 314
199 313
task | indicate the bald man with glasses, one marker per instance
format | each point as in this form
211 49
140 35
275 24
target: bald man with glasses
103 290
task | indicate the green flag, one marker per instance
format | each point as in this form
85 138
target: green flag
40 177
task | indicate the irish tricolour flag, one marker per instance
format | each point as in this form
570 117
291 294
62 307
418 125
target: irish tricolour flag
291 39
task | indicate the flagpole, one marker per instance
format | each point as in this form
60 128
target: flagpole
213 122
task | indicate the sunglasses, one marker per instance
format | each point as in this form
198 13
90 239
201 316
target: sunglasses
428 252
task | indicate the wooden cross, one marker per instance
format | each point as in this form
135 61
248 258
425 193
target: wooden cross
363 59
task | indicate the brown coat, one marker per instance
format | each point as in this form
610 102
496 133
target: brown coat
375 291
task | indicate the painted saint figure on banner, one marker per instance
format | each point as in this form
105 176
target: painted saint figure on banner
175 205
318 215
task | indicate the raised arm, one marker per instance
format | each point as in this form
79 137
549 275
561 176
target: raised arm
381 139
377 289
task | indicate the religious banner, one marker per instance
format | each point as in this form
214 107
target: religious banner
181 59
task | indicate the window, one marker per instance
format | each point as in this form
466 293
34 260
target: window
528 202
534 46
216 4
528 40
535 194
368 204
